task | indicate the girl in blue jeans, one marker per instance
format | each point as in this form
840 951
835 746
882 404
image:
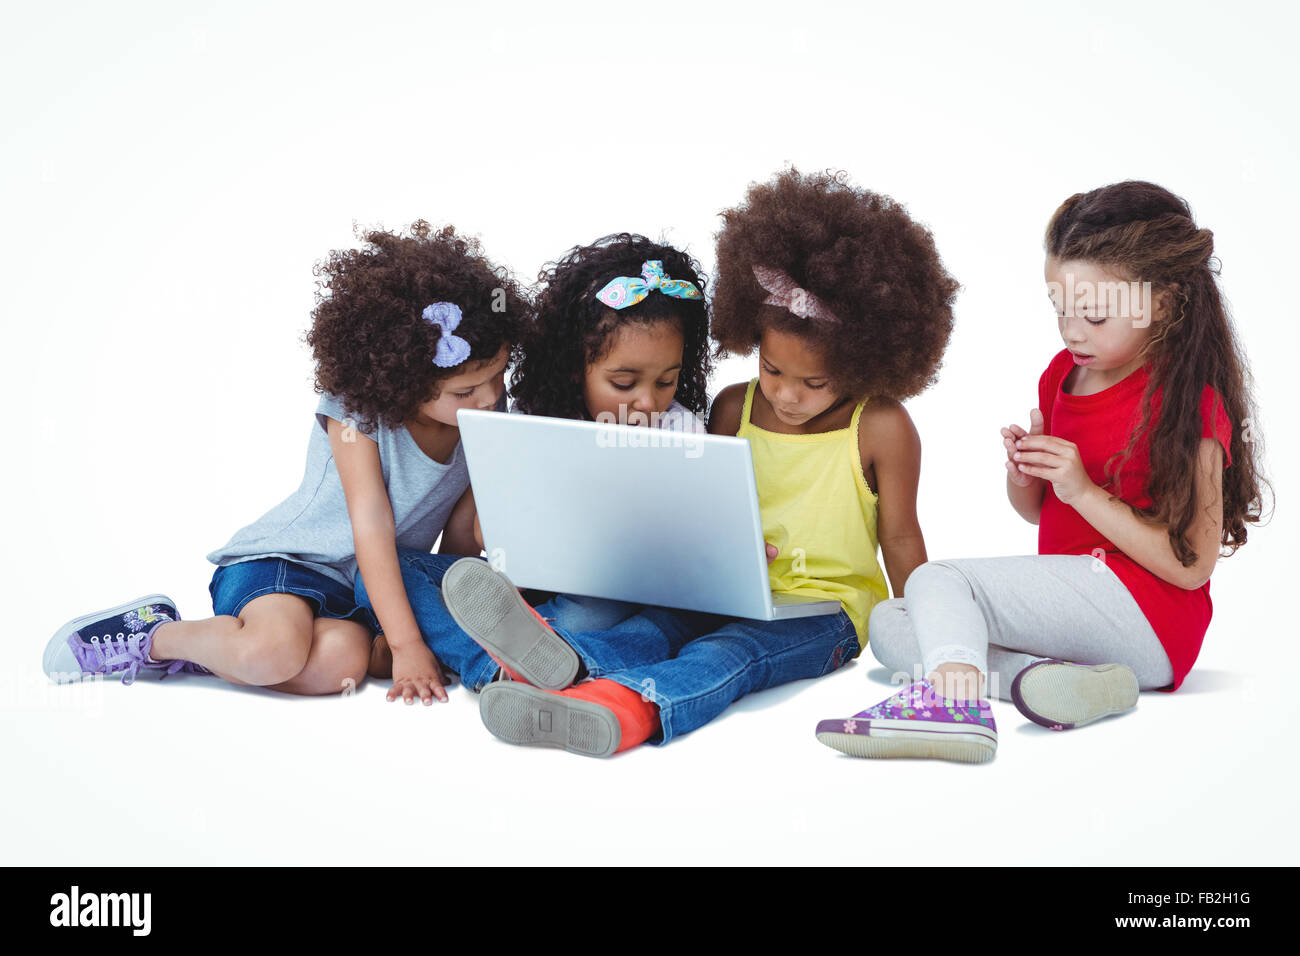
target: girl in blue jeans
850 308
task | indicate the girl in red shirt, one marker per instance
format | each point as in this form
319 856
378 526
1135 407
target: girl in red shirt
1139 466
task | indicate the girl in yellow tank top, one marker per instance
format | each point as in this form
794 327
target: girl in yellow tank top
818 512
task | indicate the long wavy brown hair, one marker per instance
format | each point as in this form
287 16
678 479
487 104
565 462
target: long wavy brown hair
1147 233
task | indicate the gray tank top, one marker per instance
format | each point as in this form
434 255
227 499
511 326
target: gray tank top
312 527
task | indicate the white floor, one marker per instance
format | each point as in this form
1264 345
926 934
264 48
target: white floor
192 771
157 254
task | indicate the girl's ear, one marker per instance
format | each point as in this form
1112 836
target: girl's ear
1163 303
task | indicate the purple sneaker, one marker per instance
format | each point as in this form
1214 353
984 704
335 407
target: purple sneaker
113 641
916 722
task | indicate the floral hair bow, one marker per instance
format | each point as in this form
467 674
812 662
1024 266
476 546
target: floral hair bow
452 349
785 292
626 291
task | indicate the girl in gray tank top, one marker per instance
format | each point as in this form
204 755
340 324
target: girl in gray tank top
406 331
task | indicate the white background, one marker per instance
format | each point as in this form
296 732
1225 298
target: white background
170 172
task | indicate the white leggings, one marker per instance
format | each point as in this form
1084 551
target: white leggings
1002 614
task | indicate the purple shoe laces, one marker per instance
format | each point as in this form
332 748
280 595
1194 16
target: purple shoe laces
127 653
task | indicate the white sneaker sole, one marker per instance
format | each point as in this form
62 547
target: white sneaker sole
1061 696
902 738
489 609
529 717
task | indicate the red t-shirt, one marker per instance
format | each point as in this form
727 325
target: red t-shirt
1101 425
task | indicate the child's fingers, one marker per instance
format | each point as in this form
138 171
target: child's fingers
432 689
1015 474
1042 443
1036 471
438 682
1045 458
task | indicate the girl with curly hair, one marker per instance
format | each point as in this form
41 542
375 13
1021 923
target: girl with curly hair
1135 473
405 332
621 334
850 308
603 348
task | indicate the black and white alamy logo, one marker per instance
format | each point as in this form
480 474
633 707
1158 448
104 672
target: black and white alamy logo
102 909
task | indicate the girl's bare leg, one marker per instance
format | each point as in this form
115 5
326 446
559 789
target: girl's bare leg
269 643
381 659
337 662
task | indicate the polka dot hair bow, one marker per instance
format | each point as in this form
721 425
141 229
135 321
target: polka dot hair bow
785 292
452 349
623 292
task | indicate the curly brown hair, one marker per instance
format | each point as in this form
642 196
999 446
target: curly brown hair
573 328
862 255
1146 232
372 345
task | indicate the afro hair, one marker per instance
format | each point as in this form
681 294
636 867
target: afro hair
372 345
860 253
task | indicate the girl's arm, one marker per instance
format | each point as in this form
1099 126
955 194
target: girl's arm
374 536
888 440
724 416
724 419
1025 492
462 534
1145 541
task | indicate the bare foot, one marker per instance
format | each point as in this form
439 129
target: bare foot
381 659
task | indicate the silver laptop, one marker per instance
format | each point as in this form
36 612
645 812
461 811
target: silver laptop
637 514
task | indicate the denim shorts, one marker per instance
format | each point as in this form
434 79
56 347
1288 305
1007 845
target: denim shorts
234 585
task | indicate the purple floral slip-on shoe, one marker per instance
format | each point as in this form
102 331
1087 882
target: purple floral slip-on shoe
916 722
113 641
1061 696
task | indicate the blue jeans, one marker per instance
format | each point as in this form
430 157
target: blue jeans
234 585
694 666
580 613
422 577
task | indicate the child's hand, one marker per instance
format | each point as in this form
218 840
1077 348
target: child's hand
1055 460
416 672
1012 434
771 552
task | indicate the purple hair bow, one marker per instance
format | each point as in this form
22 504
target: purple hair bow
452 349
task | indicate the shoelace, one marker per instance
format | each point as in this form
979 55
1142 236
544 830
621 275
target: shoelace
187 667
121 653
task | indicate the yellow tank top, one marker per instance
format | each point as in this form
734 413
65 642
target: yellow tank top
820 514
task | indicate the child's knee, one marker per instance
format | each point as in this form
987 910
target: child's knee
935 578
340 657
890 637
272 655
